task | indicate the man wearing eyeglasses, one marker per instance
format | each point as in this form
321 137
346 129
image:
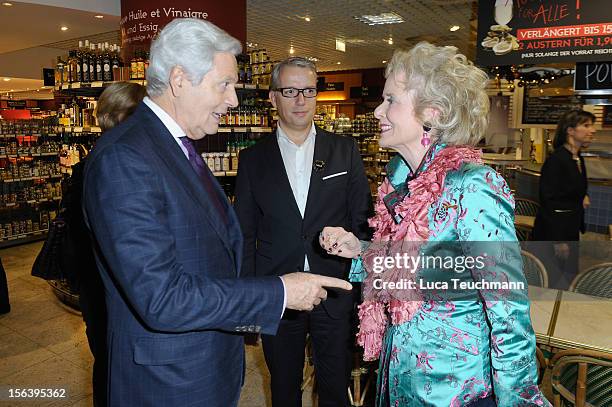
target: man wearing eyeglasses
289 186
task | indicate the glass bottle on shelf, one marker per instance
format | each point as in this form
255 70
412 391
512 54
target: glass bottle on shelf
92 62
115 61
79 63
107 73
140 65
85 62
59 71
134 66
72 66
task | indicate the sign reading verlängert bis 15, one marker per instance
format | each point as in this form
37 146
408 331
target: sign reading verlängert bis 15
513 32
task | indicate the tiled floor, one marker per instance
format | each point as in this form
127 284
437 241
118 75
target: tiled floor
43 343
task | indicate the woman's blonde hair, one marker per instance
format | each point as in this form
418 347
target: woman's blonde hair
446 81
117 102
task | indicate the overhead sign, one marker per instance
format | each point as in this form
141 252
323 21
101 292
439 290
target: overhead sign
141 20
333 86
593 78
20 104
543 31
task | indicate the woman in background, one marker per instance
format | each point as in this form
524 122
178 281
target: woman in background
441 347
116 103
563 195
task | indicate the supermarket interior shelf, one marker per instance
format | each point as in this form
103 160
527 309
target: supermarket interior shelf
244 130
26 155
100 85
23 238
7 180
88 129
225 173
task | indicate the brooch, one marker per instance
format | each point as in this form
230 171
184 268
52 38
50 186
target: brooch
318 165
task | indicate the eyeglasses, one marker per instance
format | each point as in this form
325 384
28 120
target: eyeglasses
294 92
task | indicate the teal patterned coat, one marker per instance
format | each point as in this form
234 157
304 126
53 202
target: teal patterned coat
453 352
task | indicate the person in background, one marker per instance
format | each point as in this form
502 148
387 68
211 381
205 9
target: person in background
563 194
5 305
167 242
441 347
117 102
289 186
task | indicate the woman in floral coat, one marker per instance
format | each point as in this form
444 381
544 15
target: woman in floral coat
442 339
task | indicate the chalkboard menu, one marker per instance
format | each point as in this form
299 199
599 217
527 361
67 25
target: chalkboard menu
607 116
537 110
593 78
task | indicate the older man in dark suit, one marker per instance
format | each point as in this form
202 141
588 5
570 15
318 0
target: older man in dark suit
168 244
289 187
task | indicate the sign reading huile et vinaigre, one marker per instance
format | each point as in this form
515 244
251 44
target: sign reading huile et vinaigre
513 32
141 20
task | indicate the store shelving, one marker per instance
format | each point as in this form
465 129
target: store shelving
30 189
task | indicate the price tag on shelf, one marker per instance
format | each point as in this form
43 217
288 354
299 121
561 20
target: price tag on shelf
96 130
75 85
97 84
66 86
77 129
240 129
224 130
250 86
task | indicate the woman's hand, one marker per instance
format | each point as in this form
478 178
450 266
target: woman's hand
586 202
339 242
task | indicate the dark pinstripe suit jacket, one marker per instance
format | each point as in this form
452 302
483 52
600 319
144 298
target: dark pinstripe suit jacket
170 267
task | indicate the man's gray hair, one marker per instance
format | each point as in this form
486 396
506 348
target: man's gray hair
190 43
292 61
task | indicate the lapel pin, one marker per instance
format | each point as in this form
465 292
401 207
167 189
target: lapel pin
319 165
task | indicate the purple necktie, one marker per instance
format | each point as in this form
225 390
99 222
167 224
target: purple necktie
197 163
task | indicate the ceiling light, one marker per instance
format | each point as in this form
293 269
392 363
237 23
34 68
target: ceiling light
6 79
98 16
307 19
383 18
7 4
12 90
384 61
338 63
64 28
340 45
390 41
291 50
312 59
454 28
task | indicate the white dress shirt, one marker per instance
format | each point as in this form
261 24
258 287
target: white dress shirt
169 122
298 166
176 132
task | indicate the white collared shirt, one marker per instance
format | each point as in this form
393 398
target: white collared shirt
298 166
169 122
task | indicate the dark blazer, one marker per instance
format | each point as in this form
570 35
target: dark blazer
562 191
276 238
170 266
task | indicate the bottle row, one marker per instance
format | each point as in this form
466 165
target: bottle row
363 123
29 126
35 222
29 149
33 169
101 62
88 63
255 116
79 113
20 192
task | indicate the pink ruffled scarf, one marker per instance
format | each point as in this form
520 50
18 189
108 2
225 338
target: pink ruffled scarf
403 238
